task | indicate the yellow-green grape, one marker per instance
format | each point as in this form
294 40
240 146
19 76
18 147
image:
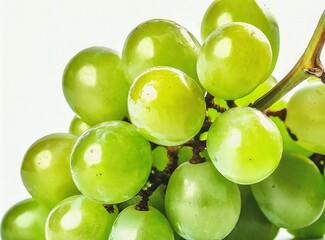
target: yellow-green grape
200 203
25 221
288 143
45 170
167 106
234 60
132 224
78 218
95 86
294 195
160 42
111 162
244 145
305 116
78 127
252 223
258 92
156 200
221 12
313 231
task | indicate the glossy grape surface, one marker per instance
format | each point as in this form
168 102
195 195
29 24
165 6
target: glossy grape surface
244 145
111 162
258 92
160 42
305 116
78 127
45 170
25 221
77 218
288 143
221 12
252 223
200 203
234 60
167 106
132 224
94 85
294 195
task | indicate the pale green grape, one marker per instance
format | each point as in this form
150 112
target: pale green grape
132 224
258 92
200 203
221 12
294 195
45 170
166 105
111 162
244 145
313 231
78 218
234 60
25 221
95 87
78 127
160 42
252 223
288 143
156 200
305 116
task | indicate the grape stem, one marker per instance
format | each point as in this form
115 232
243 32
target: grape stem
308 65
157 178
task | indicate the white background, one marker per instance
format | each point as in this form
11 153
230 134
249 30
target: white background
38 38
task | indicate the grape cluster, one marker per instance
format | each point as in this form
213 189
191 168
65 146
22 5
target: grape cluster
168 144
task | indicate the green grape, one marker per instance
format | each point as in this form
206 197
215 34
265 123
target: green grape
221 12
252 223
288 143
132 224
159 158
45 170
313 231
95 87
25 220
160 42
167 106
293 196
78 127
258 92
234 60
200 203
78 218
156 200
305 117
111 162
244 145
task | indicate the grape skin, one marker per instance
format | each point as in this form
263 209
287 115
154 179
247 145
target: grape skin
167 106
221 12
200 203
106 157
305 117
45 169
236 54
243 140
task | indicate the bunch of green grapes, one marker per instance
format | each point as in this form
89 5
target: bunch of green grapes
166 144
